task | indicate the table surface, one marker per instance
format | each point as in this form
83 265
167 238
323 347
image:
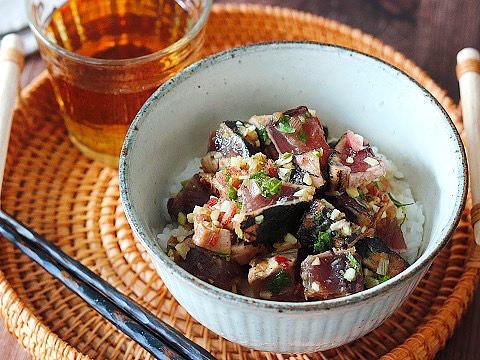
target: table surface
430 32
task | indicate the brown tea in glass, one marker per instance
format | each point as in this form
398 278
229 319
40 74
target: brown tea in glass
106 57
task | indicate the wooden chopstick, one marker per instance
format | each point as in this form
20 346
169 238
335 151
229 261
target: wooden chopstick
11 63
129 326
79 272
468 74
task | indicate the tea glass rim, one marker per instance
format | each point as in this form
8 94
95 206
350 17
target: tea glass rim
184 40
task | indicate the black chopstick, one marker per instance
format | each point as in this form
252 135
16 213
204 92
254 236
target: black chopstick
102 305
32 241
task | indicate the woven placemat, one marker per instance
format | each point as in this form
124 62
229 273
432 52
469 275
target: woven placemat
75 203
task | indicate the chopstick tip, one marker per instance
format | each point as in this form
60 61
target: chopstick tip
467 54
12 41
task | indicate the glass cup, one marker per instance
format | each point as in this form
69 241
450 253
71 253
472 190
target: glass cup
106 57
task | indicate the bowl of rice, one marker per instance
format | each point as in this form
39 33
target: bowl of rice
411 136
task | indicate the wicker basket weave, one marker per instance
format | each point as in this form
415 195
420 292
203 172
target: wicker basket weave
75 203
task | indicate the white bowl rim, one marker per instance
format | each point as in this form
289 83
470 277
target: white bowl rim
423 261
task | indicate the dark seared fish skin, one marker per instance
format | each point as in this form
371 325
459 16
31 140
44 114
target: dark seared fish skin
210 162
273 276
325 275
279 213
228 142
314 220
277 222
390 232
243 252
339 174
354 209
318 219
374 251
356 160
195 193
211 268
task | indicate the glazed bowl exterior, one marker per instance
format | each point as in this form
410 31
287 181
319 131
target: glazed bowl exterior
348 90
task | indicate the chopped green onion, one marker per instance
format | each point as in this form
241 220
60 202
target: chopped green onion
232 193
302 136
361 194
323 242
258 175
184 182
262 134
228 178
353 262
396 202
284 125
269 186
239 205
279 282
383 278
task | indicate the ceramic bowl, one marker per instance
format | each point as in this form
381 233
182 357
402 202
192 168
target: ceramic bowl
348 90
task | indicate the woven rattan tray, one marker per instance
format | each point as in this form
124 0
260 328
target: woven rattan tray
74 202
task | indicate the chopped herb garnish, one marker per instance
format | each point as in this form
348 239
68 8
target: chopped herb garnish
258 176
383 278
361 194
239 205
307 115
396 202
262 134
284 125
354 262
269 186
184 182
323 242
228 178
232 193
302 136
279 282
